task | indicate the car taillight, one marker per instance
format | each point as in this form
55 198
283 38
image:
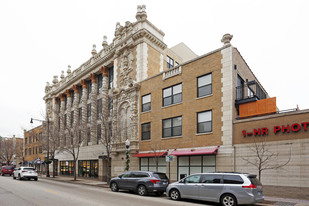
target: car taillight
252 186
155 181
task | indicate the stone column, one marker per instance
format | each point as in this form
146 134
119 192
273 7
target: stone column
105 102
83 123
75 105
69 106
56 128
94 92
61 114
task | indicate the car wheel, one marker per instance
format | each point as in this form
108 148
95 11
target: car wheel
228 200
2 174
141 190
114 187
14 177
174 194
159 193
35 179
19 177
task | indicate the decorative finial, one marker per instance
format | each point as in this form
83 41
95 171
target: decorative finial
141 14
62 75
55 80
104 43
226 39
69 70
94 51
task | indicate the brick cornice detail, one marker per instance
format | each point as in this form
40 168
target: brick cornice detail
75 88
104 71
84 83
93 78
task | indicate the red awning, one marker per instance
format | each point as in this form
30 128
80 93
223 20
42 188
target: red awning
195 151
150 154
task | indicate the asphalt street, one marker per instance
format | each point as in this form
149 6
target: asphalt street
52 193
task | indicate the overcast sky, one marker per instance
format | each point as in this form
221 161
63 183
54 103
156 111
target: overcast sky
39 39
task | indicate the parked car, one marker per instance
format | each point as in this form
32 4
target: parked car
25 173
229 189
141 182
6 170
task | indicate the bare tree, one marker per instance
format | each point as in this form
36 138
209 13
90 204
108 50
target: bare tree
264 158
72 140
7 150
157 151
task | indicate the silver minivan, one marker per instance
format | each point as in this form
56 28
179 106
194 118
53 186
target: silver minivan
229 189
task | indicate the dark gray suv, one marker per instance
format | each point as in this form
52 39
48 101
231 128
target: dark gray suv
141 182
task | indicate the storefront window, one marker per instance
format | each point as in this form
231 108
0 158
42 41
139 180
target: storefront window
149 164
66 168
88 168
188 165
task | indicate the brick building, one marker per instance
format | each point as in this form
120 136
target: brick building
34 148
168 102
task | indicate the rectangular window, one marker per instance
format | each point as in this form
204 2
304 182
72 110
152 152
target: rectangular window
100 83
65 102
99 133
204 85
152 163
30 139
88 168
80 113
88 135
99 109
89 89
40 136
65 121
146 103
172 95
110 106
88 112
172 127
29 151
26 140
110 77
146 131
25 152
170 62
66 168
240 88
72 98
204 122
36 150
40 150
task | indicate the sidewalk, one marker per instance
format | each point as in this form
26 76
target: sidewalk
283 197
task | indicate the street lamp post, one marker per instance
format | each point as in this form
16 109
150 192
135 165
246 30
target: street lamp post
47 162
127 154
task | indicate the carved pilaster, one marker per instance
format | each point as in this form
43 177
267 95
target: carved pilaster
105 102
61 115
94 92
83 123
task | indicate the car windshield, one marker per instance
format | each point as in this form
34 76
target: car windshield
9 168
160 175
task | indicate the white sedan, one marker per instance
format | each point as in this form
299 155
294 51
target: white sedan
25 173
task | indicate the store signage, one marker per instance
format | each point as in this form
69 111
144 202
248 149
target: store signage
296 127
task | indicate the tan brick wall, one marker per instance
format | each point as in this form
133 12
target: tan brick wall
153 61
187 109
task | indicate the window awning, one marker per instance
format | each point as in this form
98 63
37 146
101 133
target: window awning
150 154
196 151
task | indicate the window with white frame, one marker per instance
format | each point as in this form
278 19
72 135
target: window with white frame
172 127
172 95
146 131
146 103
170 62
204 85
204 121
